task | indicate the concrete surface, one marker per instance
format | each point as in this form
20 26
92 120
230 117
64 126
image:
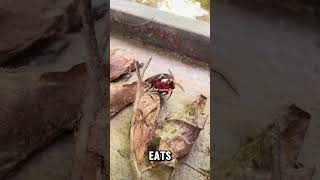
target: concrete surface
272 60
55 161
195 79
176 33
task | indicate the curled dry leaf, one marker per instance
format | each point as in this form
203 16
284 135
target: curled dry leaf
146 111
274 151
180 130
293 131
38 106
121 63
146 121
121 95
35 109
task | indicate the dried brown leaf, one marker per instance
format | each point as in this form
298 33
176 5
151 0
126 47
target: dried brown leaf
35 109
181 129
146 110
145 123
274 153
121 63
295 128
121 95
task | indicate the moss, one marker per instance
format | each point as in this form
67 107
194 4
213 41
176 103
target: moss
205 4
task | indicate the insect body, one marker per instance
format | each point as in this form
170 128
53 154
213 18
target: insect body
162 83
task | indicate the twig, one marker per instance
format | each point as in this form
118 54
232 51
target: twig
226 80
276 154
139 80
146 66
149 168
135 110
91 140
199 171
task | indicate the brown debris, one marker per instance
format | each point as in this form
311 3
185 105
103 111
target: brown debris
91 137
36 108
290 132
44 20
146 110
181 129
274 153
121 95
296 125
145 124
121 63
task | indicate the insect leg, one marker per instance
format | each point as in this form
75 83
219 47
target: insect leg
170 95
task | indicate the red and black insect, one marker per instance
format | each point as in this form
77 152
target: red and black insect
162 83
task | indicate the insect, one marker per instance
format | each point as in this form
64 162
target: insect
162 83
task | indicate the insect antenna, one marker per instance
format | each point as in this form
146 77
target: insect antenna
175 82
179 86
146 66
169 95
171 73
